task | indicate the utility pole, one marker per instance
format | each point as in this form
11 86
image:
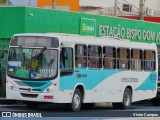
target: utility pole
53 4
141 9
115 8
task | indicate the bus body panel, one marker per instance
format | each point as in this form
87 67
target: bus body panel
100 85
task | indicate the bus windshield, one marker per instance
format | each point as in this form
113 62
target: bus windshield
32 63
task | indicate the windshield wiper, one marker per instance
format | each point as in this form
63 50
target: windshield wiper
50 62
41 51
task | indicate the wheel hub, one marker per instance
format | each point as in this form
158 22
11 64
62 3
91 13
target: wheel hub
127 99
76 101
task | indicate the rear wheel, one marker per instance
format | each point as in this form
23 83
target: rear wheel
127 99
76 100
32 105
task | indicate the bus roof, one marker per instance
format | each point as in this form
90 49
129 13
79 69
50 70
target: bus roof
92 40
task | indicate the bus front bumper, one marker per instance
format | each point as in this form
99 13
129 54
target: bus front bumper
32 96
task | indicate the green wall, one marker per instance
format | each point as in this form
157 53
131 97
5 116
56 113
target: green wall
43 21
28 20
12 21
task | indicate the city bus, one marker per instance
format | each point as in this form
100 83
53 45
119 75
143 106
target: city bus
79 70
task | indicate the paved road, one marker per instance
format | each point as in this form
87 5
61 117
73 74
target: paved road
99 112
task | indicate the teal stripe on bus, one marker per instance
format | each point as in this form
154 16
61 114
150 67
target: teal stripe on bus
38 85
90 78
149 83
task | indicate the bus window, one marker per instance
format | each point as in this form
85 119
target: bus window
94 57
80 56
66 61
123 56
136 60
66 58
149 60
109 57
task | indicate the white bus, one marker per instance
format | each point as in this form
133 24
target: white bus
62 68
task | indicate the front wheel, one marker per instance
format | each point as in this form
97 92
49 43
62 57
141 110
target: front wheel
127 99
76 100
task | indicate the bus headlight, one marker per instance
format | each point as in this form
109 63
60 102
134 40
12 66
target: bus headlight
10 86
49 89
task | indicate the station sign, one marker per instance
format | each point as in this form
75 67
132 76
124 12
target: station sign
128 33
88 27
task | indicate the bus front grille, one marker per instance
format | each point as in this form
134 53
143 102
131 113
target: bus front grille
26 90
29 95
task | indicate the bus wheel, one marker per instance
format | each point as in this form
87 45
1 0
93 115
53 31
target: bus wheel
76 101
32 105
127 99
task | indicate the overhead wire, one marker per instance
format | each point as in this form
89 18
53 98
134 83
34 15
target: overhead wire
130 4
129 7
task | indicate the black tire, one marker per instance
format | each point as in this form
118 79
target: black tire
127 99
156 101
32 105
76 101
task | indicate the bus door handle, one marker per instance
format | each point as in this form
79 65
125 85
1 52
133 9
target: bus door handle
76 70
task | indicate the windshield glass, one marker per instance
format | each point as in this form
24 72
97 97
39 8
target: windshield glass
32 63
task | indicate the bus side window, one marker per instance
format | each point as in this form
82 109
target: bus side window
136 60
109 57
94 56
149 60
66 61
66 58
80 56
123 58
